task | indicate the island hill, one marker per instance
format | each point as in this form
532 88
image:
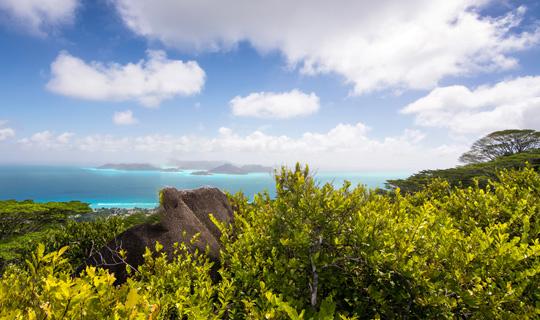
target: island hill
202 168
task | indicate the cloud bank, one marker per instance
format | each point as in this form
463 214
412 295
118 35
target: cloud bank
47 140
37 16
275 105
513 103
149 82
346 146
374 45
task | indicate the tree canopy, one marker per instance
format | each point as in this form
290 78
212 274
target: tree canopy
501 143
20 217
469 174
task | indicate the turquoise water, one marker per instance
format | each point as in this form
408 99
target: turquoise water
128 189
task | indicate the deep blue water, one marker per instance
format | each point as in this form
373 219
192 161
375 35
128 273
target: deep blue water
128 189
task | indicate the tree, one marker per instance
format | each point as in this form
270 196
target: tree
468 175
22 217
501 143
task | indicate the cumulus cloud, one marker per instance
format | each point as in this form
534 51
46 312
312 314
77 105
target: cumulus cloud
38 15
6 133
513 103
275 105
64 137
374 45
148 82
48 140
346 146
124 118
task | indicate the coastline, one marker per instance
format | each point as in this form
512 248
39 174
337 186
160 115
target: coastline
128 189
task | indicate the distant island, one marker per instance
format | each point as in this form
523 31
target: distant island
129 166
197 164
232 169
203 168
136 167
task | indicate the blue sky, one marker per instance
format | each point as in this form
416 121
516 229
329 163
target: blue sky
337 84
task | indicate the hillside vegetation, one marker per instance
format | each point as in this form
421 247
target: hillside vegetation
505 149
470 174
319 252
21 217
23 224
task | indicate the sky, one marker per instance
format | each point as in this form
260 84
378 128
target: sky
339 85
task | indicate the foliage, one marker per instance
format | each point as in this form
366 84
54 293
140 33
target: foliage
295 244
439 253
501 143
465 176
22 217
317 252
45 288
83 238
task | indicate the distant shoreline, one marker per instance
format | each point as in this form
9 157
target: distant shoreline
185 172
124 205
200 168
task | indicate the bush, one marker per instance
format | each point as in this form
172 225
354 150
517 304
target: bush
22 217
317 252
82 237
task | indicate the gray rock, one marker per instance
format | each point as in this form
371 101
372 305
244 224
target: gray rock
184 213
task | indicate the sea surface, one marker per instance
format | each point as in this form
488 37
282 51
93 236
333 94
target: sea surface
107 188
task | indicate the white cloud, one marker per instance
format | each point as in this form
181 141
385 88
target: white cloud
148 82
64 137
508 104
374 45
124 118
6 133
275 105
48 140
346 146
39 15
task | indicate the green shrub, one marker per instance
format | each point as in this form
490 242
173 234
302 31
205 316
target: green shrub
317 252
439 253
82 237
22 217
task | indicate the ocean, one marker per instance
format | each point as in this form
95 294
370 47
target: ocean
130 189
